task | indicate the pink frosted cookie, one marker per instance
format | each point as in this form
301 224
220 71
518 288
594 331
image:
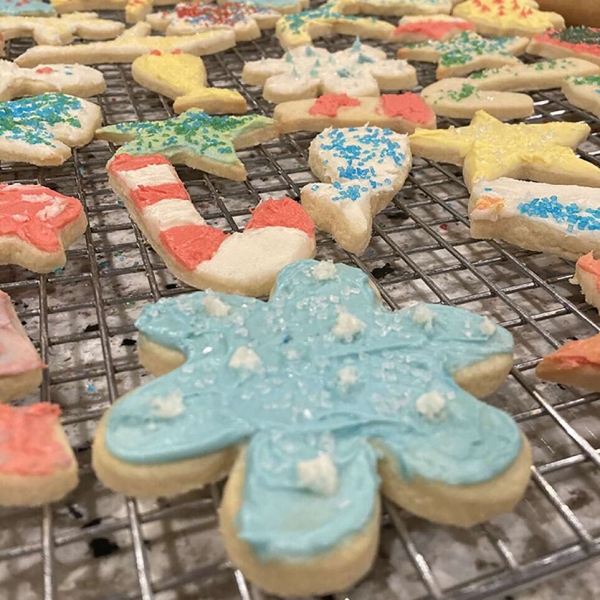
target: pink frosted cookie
401 113
422 28
37 464
37 224
20 364
587 275
278 233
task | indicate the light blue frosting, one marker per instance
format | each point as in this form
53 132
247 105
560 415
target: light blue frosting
23 8
295 405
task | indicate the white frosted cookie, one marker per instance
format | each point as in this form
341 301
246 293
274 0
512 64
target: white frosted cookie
580 42
315 402
587 276
307 72
58 31
466 52
508 17
460 99
488 149
42 130
182 77
246 19
135 10
525 77
37 224
362 168
563 220
76 80
202 256
20 364
37 465
402 113
126 48
583 92
422 28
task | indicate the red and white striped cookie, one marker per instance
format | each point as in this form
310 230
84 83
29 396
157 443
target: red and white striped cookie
279 232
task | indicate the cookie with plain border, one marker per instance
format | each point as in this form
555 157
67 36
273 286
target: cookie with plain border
583 92
31 8
562 220
416 29
578 42
37 465
202 256
20 365
587 276
402 113
299 445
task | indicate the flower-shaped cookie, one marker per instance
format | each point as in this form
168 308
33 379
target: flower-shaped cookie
325 389
307 72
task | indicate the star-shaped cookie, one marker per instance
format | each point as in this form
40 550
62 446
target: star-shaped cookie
195 139
488 149
466 52
307 72
311 400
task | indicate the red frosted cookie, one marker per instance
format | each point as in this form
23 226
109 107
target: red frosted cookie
580 42
587 275
279 232
401 113
421 28
37 464
36 225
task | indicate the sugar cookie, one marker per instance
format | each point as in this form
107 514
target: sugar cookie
402 113
583 92
363 169
26 8
489 149
135 10
419 29
307 72
508 17
466 52
132 43
587 275
576 363
37 464
399 8
459 99
542 75
75 80
195 139
581 42
182 77
36 226
310 400
58 31
246 19
20 364
43 129
202 256
303 28
563 220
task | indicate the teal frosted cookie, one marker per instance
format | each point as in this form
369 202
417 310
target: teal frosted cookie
26 8
314 400
194 138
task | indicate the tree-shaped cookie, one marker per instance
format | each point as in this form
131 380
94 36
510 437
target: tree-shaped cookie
466 52
307 72
488 149
313 400
195 139
42 130
57 31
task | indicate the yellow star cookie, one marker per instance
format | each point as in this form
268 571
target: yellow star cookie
182 77
488 149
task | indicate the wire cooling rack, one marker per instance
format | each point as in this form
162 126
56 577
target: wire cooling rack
96 544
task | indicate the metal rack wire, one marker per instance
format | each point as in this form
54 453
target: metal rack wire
96 544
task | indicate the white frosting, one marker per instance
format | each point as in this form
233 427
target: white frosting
430 405
171 213
347 377
347 326
487 327
424 316
215 307
245 358
169 406
150 175
324 270
319 475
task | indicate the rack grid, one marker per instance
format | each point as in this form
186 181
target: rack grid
96 544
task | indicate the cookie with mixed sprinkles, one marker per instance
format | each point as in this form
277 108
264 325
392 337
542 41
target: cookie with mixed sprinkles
581 41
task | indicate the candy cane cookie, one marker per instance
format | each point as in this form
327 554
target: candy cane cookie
278 233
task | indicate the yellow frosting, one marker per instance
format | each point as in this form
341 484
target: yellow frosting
505 14
489 149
